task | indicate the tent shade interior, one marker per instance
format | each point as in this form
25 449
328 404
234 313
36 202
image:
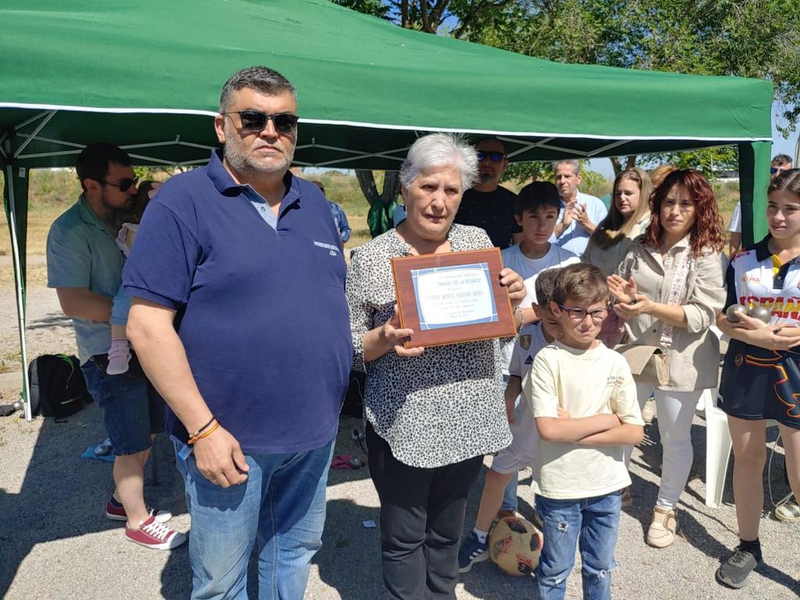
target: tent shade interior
146 76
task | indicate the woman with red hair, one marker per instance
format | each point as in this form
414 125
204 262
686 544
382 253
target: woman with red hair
670 288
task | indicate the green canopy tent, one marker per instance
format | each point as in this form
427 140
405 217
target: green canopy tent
146 76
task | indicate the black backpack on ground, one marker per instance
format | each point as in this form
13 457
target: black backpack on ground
57 386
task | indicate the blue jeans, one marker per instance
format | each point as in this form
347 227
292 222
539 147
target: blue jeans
590 523
281 506
132 408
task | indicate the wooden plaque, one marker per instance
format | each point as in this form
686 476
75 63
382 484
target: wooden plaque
452 297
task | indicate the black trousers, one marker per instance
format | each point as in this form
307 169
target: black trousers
422 516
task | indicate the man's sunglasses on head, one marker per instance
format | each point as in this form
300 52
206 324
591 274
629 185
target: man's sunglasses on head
492 156
123 184
255 121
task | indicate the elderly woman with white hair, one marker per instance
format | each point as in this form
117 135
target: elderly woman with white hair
432 413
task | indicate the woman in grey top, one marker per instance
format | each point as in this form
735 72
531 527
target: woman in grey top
669 289
627 219
431 413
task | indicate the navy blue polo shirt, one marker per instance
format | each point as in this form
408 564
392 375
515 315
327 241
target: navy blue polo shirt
261 311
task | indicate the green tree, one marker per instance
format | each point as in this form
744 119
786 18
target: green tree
747 38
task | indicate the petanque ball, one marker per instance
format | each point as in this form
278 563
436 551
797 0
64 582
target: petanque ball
732 310
514 546
761 313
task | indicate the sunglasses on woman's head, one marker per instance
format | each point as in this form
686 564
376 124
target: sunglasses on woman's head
255 121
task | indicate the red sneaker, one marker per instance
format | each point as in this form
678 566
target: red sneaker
155 535
116 512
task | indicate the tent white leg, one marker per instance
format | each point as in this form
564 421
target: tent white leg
19 289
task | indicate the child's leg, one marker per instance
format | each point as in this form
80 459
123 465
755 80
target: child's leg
791 445
510 502
491 498
675 414
119 353
474 548
597 543
750 455
561 527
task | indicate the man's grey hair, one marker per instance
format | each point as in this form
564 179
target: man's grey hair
440 150
575 164
781 159
261 79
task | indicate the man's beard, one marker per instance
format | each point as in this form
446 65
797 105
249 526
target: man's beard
244 163
485 177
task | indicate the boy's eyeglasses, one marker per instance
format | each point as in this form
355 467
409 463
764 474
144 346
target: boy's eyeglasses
123 184
492 156
255 121
578 314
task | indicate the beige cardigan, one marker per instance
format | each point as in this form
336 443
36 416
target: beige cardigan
693 355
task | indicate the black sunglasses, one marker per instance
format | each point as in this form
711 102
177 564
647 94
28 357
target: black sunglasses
492 156
773 170
123 184
256 121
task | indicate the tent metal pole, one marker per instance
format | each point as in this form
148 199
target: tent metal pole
33 135
19 289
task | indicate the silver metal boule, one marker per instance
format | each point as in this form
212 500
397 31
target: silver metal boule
761 313
732 310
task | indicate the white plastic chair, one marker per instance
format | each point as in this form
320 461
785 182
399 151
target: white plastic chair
718 448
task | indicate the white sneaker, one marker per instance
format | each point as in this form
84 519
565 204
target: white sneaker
788 512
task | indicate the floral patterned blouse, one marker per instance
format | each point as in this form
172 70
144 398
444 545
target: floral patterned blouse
443 406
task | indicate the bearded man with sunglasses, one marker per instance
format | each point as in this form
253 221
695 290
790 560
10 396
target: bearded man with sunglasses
239 318
84 265
488 205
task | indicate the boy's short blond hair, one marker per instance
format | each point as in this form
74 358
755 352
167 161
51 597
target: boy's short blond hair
581 282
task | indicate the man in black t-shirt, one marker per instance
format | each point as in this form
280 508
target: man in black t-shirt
488 205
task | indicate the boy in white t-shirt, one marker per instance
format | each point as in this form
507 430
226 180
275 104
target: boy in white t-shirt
522 451
583 398
536 211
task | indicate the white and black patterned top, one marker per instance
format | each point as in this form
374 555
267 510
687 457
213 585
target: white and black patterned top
439 408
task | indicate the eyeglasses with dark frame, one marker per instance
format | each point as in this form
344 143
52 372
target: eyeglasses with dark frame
578 314
774 170
255 121
123 184
492 155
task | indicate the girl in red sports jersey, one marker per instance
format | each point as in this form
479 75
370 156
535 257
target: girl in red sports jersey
761 376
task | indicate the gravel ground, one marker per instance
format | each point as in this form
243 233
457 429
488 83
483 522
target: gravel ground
55 542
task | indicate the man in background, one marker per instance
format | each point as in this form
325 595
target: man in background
580 213
84 265
487 204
